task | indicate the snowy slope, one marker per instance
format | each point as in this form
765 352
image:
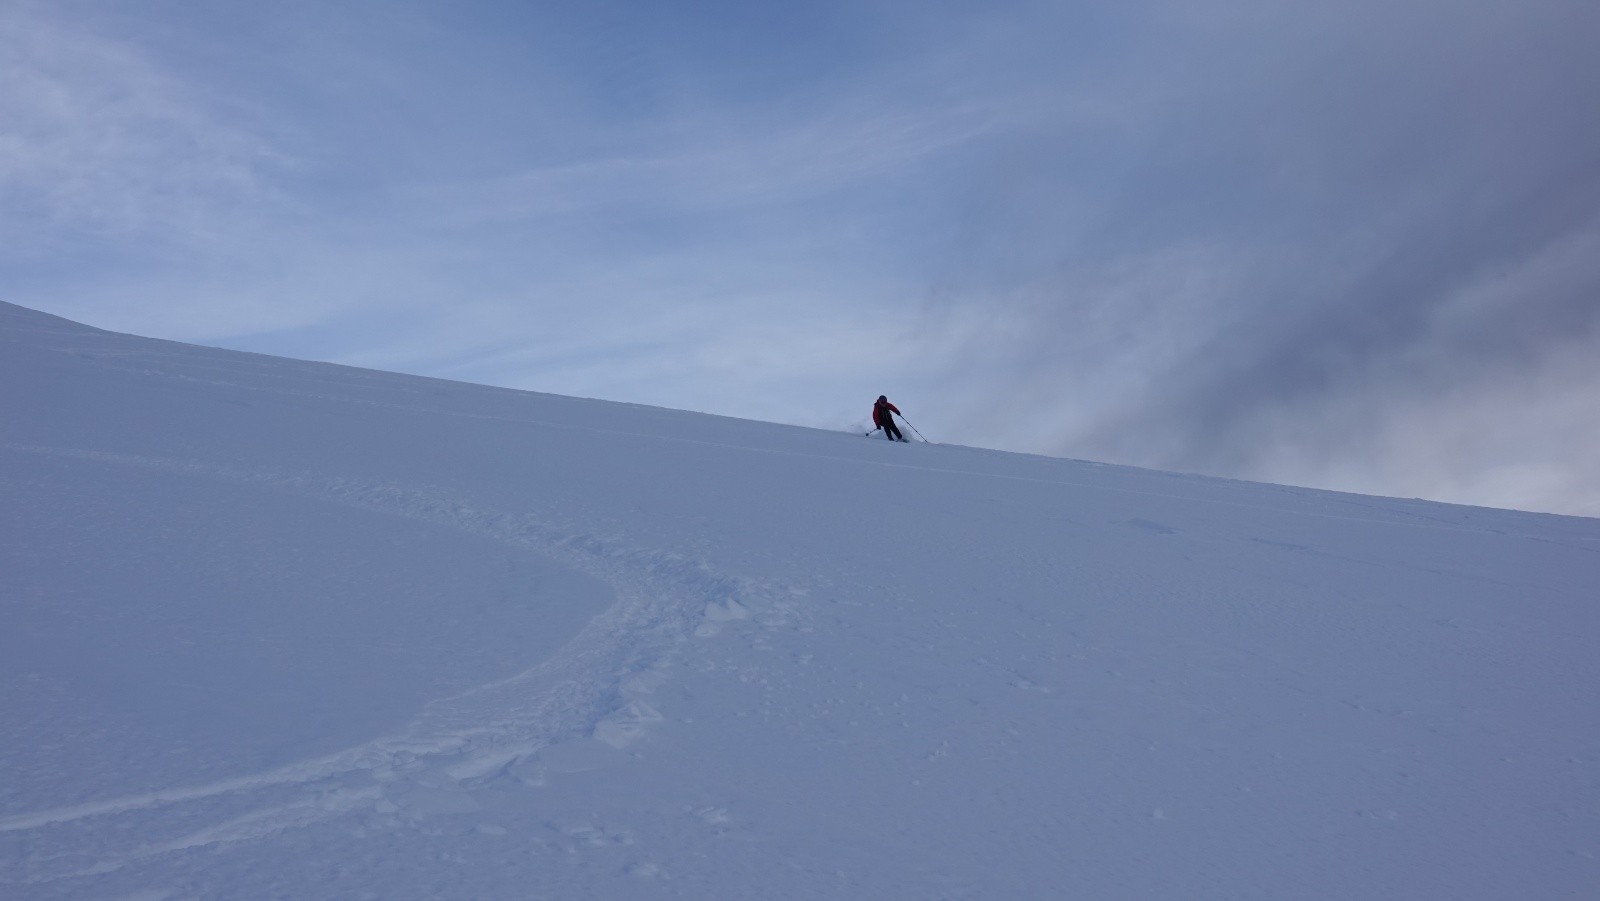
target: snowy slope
291 630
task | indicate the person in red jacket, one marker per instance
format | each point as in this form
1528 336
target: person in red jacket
882 418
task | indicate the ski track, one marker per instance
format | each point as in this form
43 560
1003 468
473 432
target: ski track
590 700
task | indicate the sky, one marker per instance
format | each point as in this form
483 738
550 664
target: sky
1353 245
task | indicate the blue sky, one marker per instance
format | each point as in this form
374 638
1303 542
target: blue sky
1354 245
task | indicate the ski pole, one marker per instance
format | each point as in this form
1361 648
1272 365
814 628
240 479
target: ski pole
914 429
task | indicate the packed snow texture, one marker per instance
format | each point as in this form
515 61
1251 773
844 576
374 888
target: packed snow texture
277 629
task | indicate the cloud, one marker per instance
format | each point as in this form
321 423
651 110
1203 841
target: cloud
1502 435
99 142
724 162
1322 219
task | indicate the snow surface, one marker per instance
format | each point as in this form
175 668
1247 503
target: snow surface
277 629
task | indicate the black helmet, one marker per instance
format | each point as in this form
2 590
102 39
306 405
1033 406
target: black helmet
883 397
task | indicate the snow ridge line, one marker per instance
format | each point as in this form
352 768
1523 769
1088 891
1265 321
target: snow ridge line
593 690
285 370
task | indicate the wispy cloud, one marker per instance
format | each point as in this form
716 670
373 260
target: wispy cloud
98 141
718 161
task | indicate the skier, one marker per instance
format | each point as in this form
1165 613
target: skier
882 417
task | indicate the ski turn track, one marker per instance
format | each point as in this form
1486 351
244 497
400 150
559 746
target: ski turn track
580 709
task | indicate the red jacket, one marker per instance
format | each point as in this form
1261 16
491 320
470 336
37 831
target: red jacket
880 412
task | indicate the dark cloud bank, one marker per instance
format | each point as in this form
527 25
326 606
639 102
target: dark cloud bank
1358 248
